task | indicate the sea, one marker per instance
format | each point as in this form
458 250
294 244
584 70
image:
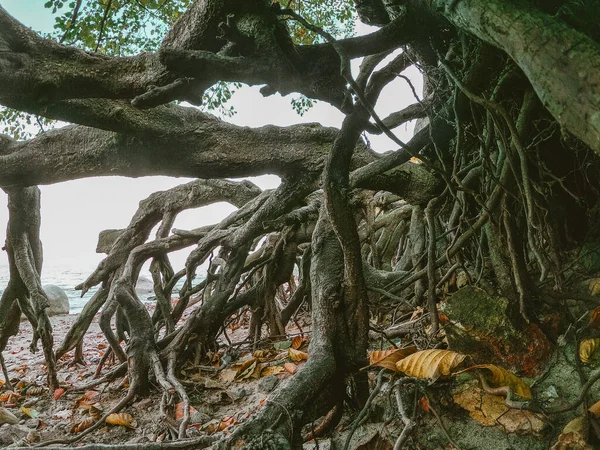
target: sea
67 277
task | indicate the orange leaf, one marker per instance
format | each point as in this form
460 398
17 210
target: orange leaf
58 393
595 409
290 367
595 318
431 364
122 419
180 410
424 404
389 358
297 342
297 355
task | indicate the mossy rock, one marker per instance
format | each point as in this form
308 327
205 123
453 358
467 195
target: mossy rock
480 325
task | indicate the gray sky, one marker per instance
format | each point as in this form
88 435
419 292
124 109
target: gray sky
73 213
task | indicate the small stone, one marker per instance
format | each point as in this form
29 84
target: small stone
199 417
268 383
239 393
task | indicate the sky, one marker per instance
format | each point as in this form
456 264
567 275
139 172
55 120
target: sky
74 212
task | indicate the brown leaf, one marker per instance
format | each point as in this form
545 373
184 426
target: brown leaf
587 348
389 358
95 411
431 364
498 377
297 355
58 393
122 419
247 369
290 367
83 425
297 342
595 318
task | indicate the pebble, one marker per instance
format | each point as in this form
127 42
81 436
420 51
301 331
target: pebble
268 383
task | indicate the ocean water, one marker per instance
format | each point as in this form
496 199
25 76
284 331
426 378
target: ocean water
67 277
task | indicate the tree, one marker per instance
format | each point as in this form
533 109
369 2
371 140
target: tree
503 188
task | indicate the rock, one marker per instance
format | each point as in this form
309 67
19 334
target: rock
268 383
59 302
199 417
7 417
323 444
239 393
484 327
144 285
106 239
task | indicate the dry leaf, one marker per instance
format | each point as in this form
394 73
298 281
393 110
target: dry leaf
424 404
498 377
180 410
31 413
83 425
595 409
34 390
594 286
122 419
58 393
297 355
297 342
430 363
95 412
389 358
247 369
9 397
290 367
587 348
271 370
595 318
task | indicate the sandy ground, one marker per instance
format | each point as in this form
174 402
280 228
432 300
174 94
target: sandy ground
217 399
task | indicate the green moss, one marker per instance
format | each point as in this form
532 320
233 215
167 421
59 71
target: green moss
473 308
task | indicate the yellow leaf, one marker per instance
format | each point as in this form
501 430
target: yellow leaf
271 370
297 355
31 413
594 286
587 348
498 377
122 419
430 363
577 425
389 358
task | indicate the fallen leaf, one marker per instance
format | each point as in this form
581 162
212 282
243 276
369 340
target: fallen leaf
122 419
297 355
271 370
389 358
290 367
595 409
180 410
83 425
95 412
587 348
594 286
297 342
431 364
58 393
595 318
31 413
247 369
424 404
498 377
